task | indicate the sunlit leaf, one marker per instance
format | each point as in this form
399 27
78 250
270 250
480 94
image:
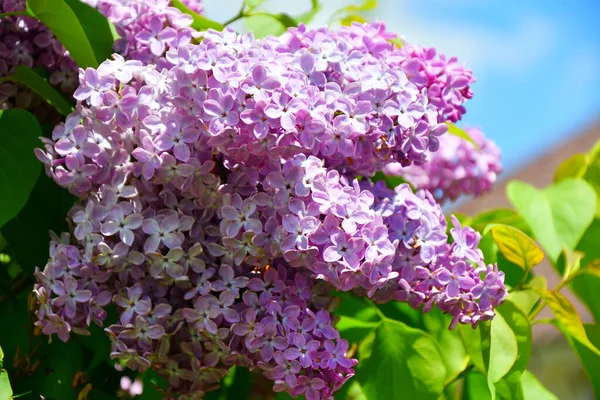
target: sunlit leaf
63 22
589 359
199 22
355 330
493 347
499 216
573 167
517 247
100 32
526 299
461 133
558 215
567 317
308 16
403 360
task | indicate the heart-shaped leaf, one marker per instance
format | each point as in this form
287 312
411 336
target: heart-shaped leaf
558 215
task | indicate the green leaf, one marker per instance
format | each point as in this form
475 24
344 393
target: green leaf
355 330
499 216
100 32
27 233
455 355
592 173
573 167
493 347
567 317
402 360
558 215
509 387
476 387
586 285
390 181
5 388
526 299
533 389
341 13
199 22
60 18
589 359
309 15
40 85
461 133
19 168
263 25
252 4
349 19
240 385
489 248
517 247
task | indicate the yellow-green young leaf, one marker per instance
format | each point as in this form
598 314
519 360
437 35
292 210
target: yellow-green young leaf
199 22
39 85
461 133
573 167
349 19
593 268
572 262
63 22
526 299
567 317
517 247
310 14
398 42
589 359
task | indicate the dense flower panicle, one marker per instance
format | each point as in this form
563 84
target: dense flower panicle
219 201
458 168
148 28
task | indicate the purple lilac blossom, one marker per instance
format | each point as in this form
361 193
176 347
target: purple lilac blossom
219 203
458 168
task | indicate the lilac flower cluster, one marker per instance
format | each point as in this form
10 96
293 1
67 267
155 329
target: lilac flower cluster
457 169
26 41
148 28
220 205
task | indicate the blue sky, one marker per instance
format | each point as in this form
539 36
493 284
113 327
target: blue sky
537 62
